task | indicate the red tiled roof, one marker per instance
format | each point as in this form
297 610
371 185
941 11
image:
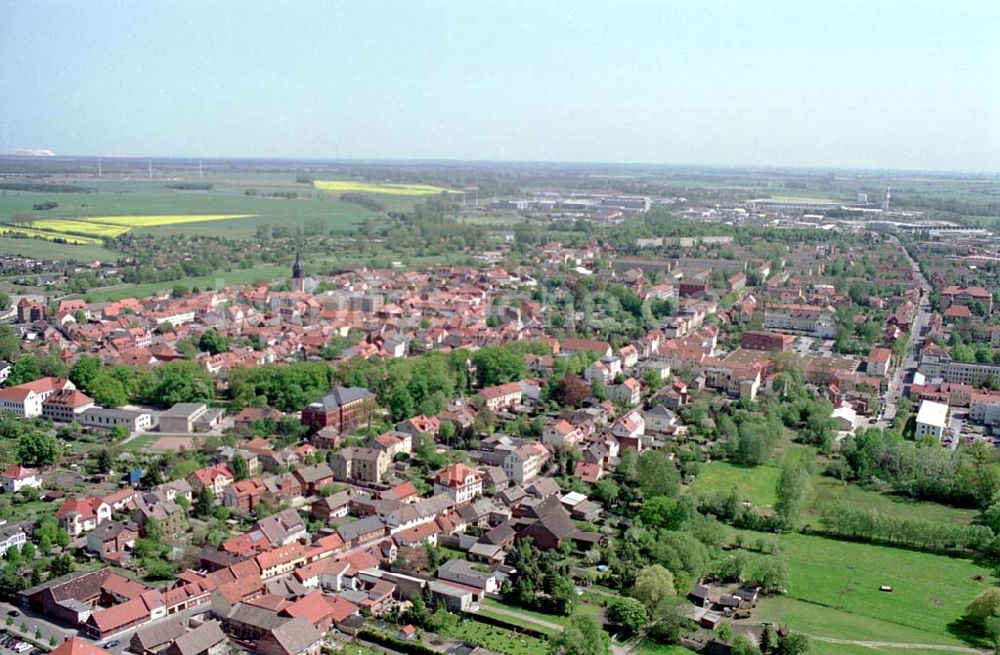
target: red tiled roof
17 472
454 475
78 646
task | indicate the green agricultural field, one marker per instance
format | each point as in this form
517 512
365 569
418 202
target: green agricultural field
216 280
153 198
834 592
756 483
827 490
45 249
352 186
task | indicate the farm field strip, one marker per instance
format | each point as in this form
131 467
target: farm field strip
156 221
347 186
91 229
50 236
72 226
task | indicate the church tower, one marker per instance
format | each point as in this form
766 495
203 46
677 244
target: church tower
298 282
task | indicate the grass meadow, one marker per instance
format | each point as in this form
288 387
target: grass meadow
755 483
834 592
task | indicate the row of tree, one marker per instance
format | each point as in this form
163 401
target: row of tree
842 520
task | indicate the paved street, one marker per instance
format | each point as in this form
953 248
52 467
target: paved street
909 362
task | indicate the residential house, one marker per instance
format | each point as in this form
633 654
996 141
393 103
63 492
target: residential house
79 515
560 433
17 477
216 477
12 535
111 541
460 482
361 464
171 518
501 396
313 478
525 462
244 496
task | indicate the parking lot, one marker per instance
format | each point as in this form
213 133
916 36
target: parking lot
36 625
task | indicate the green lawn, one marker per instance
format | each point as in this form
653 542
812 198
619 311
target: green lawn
589 609
650 647
496 639
515 623
826 490
824 648
834 591
142 442
756 483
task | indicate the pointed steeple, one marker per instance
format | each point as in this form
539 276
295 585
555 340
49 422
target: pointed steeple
297 267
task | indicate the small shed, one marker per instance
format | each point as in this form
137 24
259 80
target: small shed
710 621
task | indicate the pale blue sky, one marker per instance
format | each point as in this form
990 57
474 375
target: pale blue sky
867 83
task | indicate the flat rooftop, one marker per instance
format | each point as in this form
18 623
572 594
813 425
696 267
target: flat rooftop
932 413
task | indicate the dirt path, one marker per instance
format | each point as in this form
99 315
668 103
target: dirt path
896 644
524 617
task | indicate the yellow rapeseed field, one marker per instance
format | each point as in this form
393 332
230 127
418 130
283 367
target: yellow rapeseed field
156 221
349 186
92 229
79 227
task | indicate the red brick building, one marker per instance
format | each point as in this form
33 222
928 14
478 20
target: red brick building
767 341
344 408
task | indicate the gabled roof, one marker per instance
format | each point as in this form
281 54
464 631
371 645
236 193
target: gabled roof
295 635
78 646
17 472
340 396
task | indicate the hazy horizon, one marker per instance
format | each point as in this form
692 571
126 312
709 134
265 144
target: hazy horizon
895 86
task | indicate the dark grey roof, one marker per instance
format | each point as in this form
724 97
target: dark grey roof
183 410
354 529
340 396
158 634
295 635
198 640
498 535
278 526
260 617
310 474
